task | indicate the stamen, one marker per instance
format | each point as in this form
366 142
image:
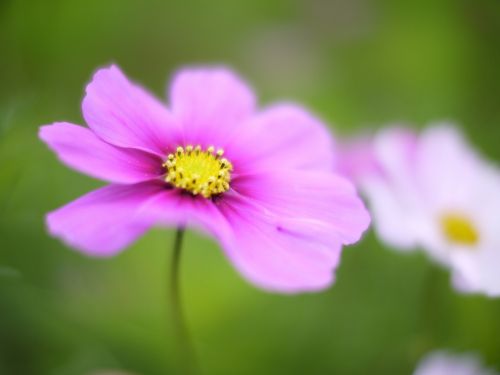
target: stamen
199 172
459 229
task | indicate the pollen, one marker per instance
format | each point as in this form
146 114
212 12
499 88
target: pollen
198 171
459 230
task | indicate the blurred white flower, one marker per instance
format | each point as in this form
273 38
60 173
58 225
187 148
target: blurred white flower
432 191
445 363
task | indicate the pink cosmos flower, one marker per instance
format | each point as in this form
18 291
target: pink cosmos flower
444 363
259 182
433 191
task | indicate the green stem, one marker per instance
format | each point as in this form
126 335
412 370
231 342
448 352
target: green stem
185 352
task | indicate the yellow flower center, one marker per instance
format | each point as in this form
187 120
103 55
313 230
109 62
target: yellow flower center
458 229
198 171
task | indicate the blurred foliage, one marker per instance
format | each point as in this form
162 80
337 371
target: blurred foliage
359 64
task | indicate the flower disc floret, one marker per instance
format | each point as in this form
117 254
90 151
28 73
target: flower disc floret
458 229
198 171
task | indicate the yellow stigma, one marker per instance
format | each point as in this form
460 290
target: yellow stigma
198 171
458 229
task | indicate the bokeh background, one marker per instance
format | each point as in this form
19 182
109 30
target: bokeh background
359 64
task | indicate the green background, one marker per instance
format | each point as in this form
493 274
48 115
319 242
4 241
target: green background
359 64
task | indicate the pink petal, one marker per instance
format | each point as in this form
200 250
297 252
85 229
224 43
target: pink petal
275 258
176 208
82 150
103 222
283 136
106 220
125 115
324 203
282 232
211 104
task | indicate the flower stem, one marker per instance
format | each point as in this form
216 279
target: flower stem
430 301
185 352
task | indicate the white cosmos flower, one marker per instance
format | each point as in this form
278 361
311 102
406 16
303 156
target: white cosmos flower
433 191
445 363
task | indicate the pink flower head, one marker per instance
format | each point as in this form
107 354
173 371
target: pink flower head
433 191
444 363
259 182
